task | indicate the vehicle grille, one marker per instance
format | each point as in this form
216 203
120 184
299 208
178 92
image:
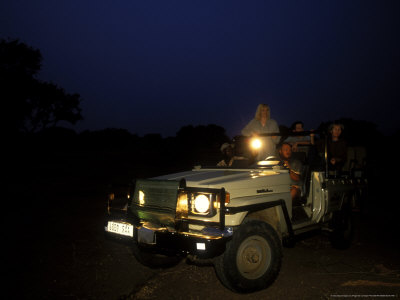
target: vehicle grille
155 201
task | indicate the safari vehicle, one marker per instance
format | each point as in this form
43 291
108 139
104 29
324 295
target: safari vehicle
238 217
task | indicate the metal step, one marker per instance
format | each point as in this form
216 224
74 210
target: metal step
299 215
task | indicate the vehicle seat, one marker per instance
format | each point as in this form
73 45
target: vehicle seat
356 161
301 156
240 163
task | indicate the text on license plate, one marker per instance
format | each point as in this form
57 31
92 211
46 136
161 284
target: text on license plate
120 228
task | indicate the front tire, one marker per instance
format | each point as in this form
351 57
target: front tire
252 259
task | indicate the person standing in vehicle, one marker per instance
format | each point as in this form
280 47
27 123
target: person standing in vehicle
337 147
262 123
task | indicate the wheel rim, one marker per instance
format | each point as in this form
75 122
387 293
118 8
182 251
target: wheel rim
253 257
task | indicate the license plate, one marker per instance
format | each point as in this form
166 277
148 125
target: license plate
120 228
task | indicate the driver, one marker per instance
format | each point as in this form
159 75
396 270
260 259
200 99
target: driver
294 166
228 155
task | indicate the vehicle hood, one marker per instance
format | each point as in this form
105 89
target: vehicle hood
238 182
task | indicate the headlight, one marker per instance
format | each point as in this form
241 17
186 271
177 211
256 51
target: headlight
255 143
141 198
202 204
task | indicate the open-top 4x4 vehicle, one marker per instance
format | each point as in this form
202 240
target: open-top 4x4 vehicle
238 217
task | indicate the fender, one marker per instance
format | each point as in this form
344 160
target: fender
261 206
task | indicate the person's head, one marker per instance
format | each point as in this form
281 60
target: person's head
262 111
335 129
227 149
285 151
298 126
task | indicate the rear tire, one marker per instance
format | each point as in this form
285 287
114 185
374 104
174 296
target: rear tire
252 259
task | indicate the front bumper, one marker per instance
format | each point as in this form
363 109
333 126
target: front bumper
164 241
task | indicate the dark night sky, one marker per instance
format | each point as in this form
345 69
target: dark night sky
155 66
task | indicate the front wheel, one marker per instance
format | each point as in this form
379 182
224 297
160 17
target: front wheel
252 259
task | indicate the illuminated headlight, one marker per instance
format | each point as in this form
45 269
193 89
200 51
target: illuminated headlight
255 143
141 198
202 204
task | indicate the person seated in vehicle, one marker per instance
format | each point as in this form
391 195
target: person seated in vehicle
228 155
295 167
299 140
337 148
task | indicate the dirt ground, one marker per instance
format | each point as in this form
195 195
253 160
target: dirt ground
54 248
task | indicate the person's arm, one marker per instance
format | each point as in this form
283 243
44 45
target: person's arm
274 128
294 176
222 163
295 170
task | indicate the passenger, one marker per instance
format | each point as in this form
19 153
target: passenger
228 155
295 168
262 123
299 140
337 148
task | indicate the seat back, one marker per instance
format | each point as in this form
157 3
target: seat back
356 159
301 156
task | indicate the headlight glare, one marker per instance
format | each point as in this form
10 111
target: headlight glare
202 204
255 143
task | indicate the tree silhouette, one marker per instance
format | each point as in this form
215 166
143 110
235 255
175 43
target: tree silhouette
32 105
210 135
201 144
48 105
